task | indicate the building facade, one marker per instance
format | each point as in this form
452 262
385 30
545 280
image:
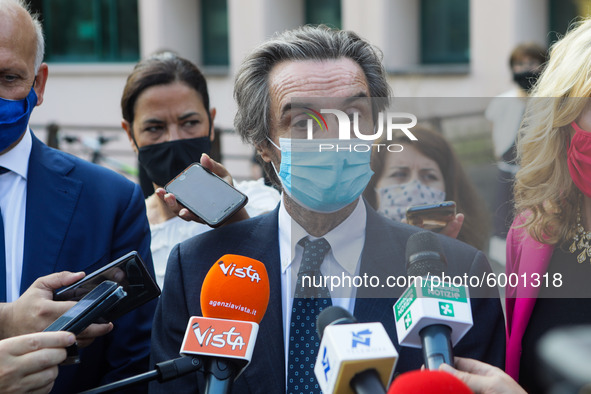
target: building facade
432 48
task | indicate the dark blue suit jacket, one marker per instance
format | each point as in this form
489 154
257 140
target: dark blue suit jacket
383 254
79 217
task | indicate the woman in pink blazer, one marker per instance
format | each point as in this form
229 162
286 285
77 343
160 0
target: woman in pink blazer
548 246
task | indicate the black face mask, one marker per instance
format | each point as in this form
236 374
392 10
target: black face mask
166 160
526 80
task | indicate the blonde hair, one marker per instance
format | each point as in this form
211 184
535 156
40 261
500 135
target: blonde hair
544 188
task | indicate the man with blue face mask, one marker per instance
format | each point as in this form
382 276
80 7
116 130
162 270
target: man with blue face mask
322 228
60 215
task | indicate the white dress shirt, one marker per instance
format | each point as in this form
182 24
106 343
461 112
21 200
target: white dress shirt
346 244
13 203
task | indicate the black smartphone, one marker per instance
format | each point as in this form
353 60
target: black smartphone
89 309
432 217
129 272
206 195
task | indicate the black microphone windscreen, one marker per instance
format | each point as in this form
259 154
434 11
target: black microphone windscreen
333 315
424 255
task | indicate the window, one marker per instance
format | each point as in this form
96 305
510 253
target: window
445 31
326 12
563 13
89 30
214 22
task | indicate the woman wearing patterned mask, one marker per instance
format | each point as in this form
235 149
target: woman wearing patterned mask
427 171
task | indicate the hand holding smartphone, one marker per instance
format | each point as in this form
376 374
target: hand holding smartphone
89 309
432 217
129 271
92 307
205 194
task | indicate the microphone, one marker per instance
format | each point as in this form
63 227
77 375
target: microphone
428 382
234 298
432 313
235 293
564 359
353 357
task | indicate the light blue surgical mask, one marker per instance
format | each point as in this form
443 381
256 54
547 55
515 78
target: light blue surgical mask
323 180
14 118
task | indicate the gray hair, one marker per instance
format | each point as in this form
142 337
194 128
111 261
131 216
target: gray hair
39 38
251 88
40 53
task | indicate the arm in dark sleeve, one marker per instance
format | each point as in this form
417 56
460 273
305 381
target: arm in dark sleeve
132 230
486 339
128 348
170 322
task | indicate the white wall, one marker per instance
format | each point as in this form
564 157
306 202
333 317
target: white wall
83 95
170 25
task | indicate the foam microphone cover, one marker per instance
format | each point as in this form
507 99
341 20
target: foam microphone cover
333 315
235 288
427 382
424 255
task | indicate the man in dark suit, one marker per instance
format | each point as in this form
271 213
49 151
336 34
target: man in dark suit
60 213
321 227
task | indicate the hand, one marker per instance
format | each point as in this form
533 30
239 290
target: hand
451 229
86 337
184 213
482 378
35 309
28 363
114 274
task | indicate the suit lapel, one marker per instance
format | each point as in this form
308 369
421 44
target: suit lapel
382 255
263 244
51 200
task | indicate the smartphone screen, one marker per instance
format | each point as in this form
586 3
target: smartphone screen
206 195
431 216
83 308
129 271
90 309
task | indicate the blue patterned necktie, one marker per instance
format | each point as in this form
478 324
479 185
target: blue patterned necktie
2 253
307 304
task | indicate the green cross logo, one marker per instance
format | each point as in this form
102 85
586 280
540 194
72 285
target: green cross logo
407 320
446 309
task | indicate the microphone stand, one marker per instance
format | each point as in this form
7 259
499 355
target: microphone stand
165 371
220 375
